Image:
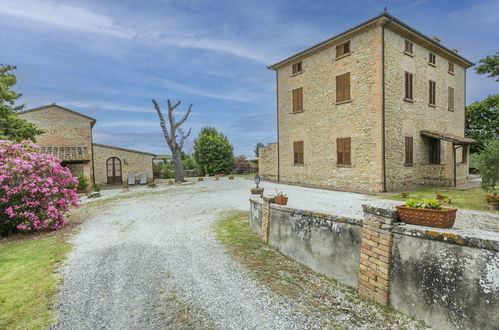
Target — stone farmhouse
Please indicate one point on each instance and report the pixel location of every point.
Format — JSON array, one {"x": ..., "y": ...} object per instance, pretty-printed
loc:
[
  {"x": 378, "y": 107},
  {"x": 68, "y": 136}
]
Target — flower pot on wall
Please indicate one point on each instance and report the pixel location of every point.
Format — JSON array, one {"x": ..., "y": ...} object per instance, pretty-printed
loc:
[
  {"x": 257, "y": 191},
  {"x": 281, "y": 200},
  {"x": 493, "y": 205},
  {"x": 427, "y": 217}
]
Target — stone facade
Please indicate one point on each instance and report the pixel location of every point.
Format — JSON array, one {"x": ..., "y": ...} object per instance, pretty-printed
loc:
[
  {"x": 376, "y": 119},
  {"x": 132, "y": 162}
]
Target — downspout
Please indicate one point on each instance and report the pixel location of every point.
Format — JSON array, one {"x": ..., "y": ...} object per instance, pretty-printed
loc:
[
  {"x": 92, "y": 148},
  {"x": 454, "y": 163},
  {"x": 277, "y": 103},
  {"x": 383, "y": 133}
]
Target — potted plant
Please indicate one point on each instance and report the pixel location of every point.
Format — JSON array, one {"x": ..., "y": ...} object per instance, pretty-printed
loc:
[
  {"x": 257, "y": 191},
  {"x": 200, "y": 178},
  {"x": 281, "y": 198},
  {"x": 126, "y": 187},
  {"x": 403, "y": 195},
  {"x": 231, "y": 177},
  {"x": 442, "y": 198},
  {"x": 427, "y": 212},
  {"x": 492, "y": 202},
  {"x": 82, "y": 184},
  {"x": 487, "y": 164}
]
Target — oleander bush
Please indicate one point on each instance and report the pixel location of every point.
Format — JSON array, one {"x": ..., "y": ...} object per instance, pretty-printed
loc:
[{"x": 36, "y": 191}]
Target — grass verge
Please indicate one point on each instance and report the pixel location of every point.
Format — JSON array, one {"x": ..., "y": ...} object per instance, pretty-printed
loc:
[
  {"x": 329, "y": 303},
  {"x": 473, "y": 198}
]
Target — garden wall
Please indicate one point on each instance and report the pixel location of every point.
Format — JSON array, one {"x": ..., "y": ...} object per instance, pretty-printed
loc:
[{"x": 447, "y": 277}]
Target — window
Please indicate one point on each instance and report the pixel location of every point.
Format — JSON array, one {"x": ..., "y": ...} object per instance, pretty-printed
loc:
[
  {"x": 431, "y": 89},
  {"x": 298, "y": 153},
  {"x": 297, "y": 67},
  {"x": 343, "y": 49},
  {"x": 433, "y": 59},
  {"x": 464, "y": 158},
  {"x": 344, "y": 154},
  {"x": 408, "y": 47},
  {"x": 343, "y": 87},
  {"x": 451, "y": 98},
  {"x": 298, "y": 99},
  {"x": 409, "y": 150},
  {"x": 433, "y": 151},
  {"x": 451, "y": 67},
  {"x": 408, "y": 86}
]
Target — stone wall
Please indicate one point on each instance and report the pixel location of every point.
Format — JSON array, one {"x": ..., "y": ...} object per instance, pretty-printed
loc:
[
  {"x": 323, "y": 121},
  {"x": 267, "y": 162},
  {"x": 134, "y": 162},
  {"x": 447, "y": 277},
  {"x": 405, "y": 118}
]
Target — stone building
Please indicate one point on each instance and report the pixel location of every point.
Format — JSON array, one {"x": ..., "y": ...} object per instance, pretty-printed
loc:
[
  {"x": 68, "y": 136},
  {"x": 378, "y": 107}
]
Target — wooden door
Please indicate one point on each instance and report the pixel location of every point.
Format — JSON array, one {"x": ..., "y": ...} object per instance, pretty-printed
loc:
[{"x": 113, "y": 168}]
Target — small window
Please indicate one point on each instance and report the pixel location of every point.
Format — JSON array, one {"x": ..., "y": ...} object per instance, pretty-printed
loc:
[
  {"x": 298, "y": 99},
  {"x": 432, "y": 93},
  {"x": 451, "y": 98},
  {"x": 409, "y": 150},
  {"x": 433, "y": 59},
  {"x": 297, "y": 67},
  {"x": 408, "y": 47},
  {"x": 433, "y": 151},
  {"x": 408, "y": 86},
  {"x": 451, "y": 67},
  {"x": 343, "y": 88},
  {"x": 343, "y": 49},
  {"x": 344, "y": 151},
  {"x": 298, "y": 153}
]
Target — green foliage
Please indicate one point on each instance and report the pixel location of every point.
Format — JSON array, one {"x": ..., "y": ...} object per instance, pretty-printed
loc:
[
  {"x": 423, "y": 204},
  {"x": 490, "y": 66},
  {"x": 167, "y": 172},
  {"x": 258, "y": 145},
  {"x": 482, "y": 121},
  {"x": 82, "y": 182},
  {"x": 487, "y": 164},
  {"x": 190, "y": 164},
  {"x": 96, "y": 187},
  {"x": 213, "y": 152},
  {"x": 11, "y": 126}
]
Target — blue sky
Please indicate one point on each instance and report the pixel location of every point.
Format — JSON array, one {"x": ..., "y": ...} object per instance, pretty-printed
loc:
[{"x": 108, "y": 59}]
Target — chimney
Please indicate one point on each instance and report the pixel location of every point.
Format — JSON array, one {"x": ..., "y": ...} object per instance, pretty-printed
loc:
[
  {"x": 436, "y": 39},
  {"x": 454, "y": 50}
]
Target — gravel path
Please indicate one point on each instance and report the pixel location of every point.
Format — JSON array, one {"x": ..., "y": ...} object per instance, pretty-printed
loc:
[{"x": 138, "y": 261}]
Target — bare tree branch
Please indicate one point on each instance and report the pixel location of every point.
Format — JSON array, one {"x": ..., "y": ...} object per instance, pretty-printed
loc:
[
  {"x": 185, "y": 116},
  {"x": 162, "y": 123}
]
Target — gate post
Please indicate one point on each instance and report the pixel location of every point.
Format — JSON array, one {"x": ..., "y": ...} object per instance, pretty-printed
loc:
[{"x": 266, "y": 218}]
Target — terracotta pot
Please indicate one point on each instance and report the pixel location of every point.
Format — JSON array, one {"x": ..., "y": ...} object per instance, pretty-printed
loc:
[
  {"x": 427, "y": 217},
  {"x": 231, "y": 178},
  {"x": 257, "y": 191},
  {"x": 493, "y": 205},
  {"x": 281, "y": 200},
  {"x": 200, "y": 179}
]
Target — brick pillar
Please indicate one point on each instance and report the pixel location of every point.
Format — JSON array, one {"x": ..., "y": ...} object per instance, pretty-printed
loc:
[
  {"x": 375, "y": 252},
  {"x": 266, "y": 218}
]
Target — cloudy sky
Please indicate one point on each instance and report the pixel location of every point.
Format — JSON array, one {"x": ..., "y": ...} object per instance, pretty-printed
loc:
[{"x": 108, "y": 59}]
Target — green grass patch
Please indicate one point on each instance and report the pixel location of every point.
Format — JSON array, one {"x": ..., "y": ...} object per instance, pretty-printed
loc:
[
  {"x": 330, "y": 303},
  {"x": 473, "y": 198},
  {"x": 27, "y": 281}
]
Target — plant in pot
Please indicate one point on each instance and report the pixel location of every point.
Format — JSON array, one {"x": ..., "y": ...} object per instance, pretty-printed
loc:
[
  {"x": 441, "y": 198},
  {"x": 231, "y": 177},
  {"x": 200, "y": 178},
  {"x": 126, "y": 187},
  {"x": 257, "y": 190},
  {"x": 281, "y": 198},
  {"x": 82, "y": 184},
  {"x": 492, "y": 202},
  {"x": 487, "y": 164},
  {"x": 426, "y": 212}
]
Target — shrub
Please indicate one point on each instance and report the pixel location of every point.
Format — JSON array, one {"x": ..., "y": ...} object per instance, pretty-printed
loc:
[
  {"x": 96, "y": 187},
  {"x": 487, "y": 164},
  {"x": 82, "y": 182},
  {"x": 424, "y": 204},
  {"x": 35, "y": 190}
]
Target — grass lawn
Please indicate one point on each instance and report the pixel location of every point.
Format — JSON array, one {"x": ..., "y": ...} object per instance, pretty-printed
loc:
[
  {"x": 27, "y": 281},
  {"x": 473, "y": 198},
  {"x": 330, "y": 303}
]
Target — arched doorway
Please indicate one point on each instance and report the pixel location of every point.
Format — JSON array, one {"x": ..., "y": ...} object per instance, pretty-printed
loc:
[{"x": 113, "y": 166}]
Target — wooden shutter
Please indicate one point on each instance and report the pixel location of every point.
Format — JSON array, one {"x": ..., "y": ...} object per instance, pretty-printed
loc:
[
  {"x": 298, "y": 99},
  {"x": 451, "y": 67},
  {"x": 431, "y": 88},
  {"x": 408, "y": 86},
  {"x": 434, "y": 151},
  {"x": 340, "y": 148},
  {"x": 409, "y": 151},
  {"x": 433, "y": 59},
  {"x": 347, "y": 152},
  {"x": 297, "y": 67},
  {"x": 342, "y": 49},
  {"x": 344, "y": 151},
  {"x": 451, "y": 98},
  {"x": 298, "y": 152},
  {"x": 343, "y": 87},
  {"x": 339, "y": 51},
  {"x": 408, "y": 47}
]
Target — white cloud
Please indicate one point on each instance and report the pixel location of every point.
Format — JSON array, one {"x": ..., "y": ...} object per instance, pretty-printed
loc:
[{"x": 103, "y": 106}]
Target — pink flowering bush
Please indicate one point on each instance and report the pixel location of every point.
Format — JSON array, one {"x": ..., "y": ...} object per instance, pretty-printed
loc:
[{"x": 35, "y": 189}]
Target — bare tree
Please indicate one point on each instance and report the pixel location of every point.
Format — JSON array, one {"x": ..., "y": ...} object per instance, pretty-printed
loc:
[{"x": 175, "y": 136}]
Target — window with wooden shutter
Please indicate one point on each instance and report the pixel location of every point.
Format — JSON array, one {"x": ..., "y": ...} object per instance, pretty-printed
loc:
[
  {"x": 433, "y": 59},
  {"x": 343, "y": 88},
  {"x": 408, "y": 47},
  {"x": 451, "y": 98},
  {"x": 431, "y": 88},
  {"x": 297, "y": 67},
  {"x": 343, "y": 49},
  {"x": 298, "y": 99},
  {"x": 451, "y": 67},
  {"x": 434, "y": 151},
  {"x": 298, "y": 153},
  {"x": 409, "y": 151},
  {"x": 344, "y": 151},
  {"x": 408, "y": 86}
]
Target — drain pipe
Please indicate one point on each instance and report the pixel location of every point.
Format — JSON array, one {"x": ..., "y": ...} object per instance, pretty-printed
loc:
[{"x": 383, "y": 137}]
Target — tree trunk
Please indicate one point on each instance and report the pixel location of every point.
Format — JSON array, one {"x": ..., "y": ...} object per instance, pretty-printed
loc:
[{"x": 177, "y": 164}]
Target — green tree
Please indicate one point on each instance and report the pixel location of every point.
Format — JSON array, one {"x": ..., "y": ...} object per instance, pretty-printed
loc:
[
  {"x": 487, "y": 164},
  {"x": 490, "y": 66},
  {"x": 213, "y": 152},
  {"x": 11, "y": 126},
  {"x": 258, "y": 145},
  {"x": 482, "y": 121}
]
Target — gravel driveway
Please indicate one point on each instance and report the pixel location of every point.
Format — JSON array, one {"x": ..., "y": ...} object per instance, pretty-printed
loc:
[{"x": 139, "y": 262}]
